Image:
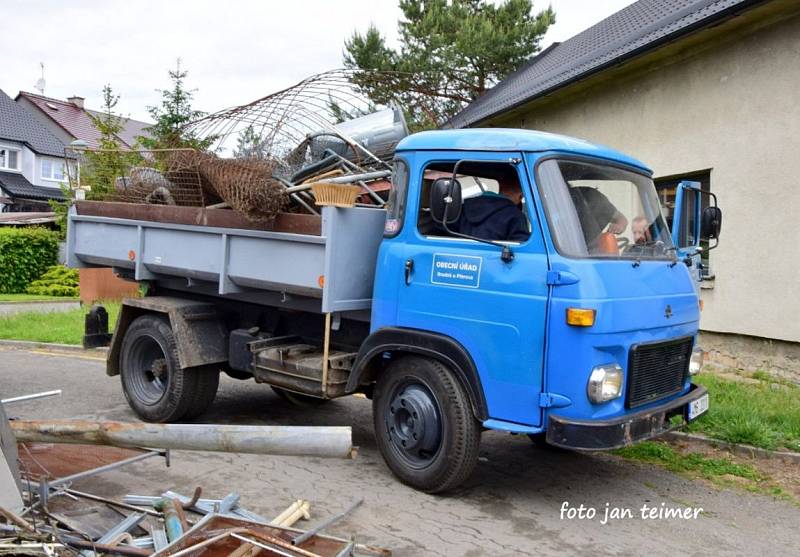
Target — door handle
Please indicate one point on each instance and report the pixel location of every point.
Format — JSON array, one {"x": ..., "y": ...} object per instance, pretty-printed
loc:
[{"x": 409, "y": 268}]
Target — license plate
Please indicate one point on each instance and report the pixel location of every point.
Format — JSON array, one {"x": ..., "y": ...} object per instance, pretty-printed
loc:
[{"x": 698, "y": 407}]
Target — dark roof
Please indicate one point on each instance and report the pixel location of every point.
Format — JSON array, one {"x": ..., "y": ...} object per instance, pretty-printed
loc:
[
  {"x": 18, "y": 186},
  {"x": 642, "y": 26},
  {"x": 76, "y": 120},
  {"x": 17, "y": 124}
]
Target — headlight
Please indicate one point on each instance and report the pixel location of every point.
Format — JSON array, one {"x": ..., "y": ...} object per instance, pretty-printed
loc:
[
  {"x": 696, "y": 361},
  {"x": 605, "y": 383}
]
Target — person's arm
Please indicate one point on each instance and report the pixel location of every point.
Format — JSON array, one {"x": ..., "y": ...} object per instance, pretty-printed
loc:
[
  {"x": 607, "y": 214},
  {"x": 618, "y": 222}
]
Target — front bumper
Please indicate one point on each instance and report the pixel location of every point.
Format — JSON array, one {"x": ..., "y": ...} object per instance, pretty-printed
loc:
[{"x": 601, "y": 435}]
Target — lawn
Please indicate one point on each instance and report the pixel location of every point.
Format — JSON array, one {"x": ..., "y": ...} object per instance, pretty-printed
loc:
[
  {"x": 761, "y": 411},
  {"x": 33, "y": 298},
  {"x": 63, "y": 327}
]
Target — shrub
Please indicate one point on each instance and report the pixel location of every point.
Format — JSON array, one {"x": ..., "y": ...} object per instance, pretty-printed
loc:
[
  {"x": 25, "y": 254},
  {"x": 57, "y": 281}
]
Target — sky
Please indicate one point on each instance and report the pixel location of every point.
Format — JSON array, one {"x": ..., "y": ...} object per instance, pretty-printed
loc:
[{"x": 235, "y": 51}]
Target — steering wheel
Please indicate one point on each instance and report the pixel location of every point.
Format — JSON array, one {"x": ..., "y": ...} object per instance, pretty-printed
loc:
[{"x": 622, "y": 242}]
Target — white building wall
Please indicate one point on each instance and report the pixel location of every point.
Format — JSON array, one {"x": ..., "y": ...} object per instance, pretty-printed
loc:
[{"x": 732, "y": 109}]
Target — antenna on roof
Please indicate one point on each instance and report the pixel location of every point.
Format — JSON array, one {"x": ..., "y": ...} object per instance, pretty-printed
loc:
[{"x": 41, "y": 82}]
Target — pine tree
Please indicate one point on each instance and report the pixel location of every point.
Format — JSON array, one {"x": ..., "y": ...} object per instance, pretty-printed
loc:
[
  {"x": 102, "y": 167},
  {"x": 172, "y": 115},
  {"x": 451, "y": 52}
]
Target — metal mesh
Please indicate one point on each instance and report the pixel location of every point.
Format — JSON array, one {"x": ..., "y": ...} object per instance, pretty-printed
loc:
[{"x": 266, "y": 155}]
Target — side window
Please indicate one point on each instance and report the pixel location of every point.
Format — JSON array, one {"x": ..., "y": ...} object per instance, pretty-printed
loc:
[
  {"x": 493, "y": 202},
  {"x": 395, "y": 207},
  {"x": 666, "y": 188}
]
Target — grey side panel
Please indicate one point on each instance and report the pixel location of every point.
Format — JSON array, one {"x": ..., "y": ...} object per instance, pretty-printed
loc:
[
  {"x": 238, "y": 260},
  {"x": 354, "y": 238},
  {"x": 199, "y": 332}
]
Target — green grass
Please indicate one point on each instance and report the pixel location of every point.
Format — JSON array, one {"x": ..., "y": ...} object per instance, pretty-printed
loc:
[
  {"x": 33, "y": 298},
  {"x": 63, "y": 327},
  {"x": 694, "y": 464},
  {"x": 720, "y": 471},
  {"x": 765, "y": 414}
]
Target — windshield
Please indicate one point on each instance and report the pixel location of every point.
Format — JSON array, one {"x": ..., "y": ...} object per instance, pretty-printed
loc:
[{"x": 597, "y": 210}]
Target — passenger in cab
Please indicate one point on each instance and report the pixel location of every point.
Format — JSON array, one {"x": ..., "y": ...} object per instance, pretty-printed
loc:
[{"x": 495, "y": 216}]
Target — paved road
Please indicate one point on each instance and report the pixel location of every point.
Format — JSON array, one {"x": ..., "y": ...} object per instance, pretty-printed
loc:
[
  {"x": 10, "y": 308},
  {"x": 510, "y": 506}
]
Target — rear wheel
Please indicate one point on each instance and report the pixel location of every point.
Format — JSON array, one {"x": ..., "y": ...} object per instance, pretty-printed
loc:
[
  {"x": 424, "y": 424},
  {"x": 154, "y": 384}
]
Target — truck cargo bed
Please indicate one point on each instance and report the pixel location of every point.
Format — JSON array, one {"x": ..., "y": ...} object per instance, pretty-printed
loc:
[{"x": 335, "y": 265}]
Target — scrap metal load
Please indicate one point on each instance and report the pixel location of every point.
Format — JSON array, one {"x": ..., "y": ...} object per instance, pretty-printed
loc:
[{"x": 317, "y": 143}]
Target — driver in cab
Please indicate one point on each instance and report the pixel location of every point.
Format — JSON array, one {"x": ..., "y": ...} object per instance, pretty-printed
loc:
[{"x": 596, "y": 214}]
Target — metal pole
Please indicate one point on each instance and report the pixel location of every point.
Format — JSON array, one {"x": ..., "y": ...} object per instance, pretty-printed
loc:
[
  {"x": 326, "y": 346},
  {"x": 277, "y": 440},
  {"x": 303, "y": 537},
  {"x": 34, "y": 396}
]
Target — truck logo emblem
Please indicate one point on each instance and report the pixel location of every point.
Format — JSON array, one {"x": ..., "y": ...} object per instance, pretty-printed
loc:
[{"x": 668, "y": 311}]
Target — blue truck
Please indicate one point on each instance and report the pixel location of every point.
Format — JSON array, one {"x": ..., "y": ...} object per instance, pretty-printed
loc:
[{"x": 581, "y": 334}]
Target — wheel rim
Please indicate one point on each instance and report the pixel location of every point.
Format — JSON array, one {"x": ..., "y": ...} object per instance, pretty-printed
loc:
[
  {"x": 413, "y": 424},
  {"x": 148, "y": 371}
]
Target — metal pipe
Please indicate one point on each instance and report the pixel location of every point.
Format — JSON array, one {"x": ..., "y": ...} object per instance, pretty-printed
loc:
[
  {"x": 35, "y": 396},
  {"x": 349, "y": 179},
  {"x": 276, "y": 440}
]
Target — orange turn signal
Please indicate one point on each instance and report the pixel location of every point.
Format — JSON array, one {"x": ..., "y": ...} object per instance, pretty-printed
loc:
[
  {"x": 580, "y": 317},
  {"x": 321, "y": 281}
]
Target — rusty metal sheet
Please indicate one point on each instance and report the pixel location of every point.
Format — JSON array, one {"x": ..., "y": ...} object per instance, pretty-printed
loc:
[
  {"x": 219, "y": 218},
  {"x": 60, "y": 460}
]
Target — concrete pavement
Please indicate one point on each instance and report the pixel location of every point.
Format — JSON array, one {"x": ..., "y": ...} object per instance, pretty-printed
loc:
[{"x": 512, "y": 505}]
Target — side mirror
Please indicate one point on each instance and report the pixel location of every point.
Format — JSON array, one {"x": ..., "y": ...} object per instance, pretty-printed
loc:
[
  {"x": 711, "y": 223},
  {"x": 445, "y": 200}
]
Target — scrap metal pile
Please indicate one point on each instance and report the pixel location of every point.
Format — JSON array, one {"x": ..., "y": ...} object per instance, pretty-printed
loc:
[
  {"x": 319, "y": 142},
  {"x": 41, "y": 512}
]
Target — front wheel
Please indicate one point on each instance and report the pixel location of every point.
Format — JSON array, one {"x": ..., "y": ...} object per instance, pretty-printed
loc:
[
  {"x": 424, "y": 424},
  {"x": 154, "y": 384}
]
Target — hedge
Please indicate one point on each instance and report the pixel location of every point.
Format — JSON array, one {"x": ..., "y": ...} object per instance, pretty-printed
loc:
[
  {"x": 57, "y": 281},
  {"x": 25, "y": 254}
]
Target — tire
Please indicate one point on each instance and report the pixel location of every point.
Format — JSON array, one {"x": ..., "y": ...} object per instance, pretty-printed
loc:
[
  {"x": 155, "y": 386},
  {"x": 299, "y": 400},
  {"x": 424, "y": 424}
]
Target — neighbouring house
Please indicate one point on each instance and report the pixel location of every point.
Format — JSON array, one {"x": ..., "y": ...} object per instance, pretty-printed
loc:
[
  {"x": 705, "y": 90},
  {"x": 70, "y": 120},
  {"x": 32, "y": 161}
]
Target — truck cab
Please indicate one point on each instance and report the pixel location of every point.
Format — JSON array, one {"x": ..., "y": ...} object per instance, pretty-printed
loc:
[{"x": 583, "y": 335}]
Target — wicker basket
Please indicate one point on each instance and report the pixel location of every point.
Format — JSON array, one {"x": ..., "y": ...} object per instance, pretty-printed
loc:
[{"x": 335, "y": 195}]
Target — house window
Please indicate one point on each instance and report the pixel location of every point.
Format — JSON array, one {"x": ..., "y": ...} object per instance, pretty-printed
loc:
[
  {"x": 9, "y": 159},
  {"x": 666, "y": 188},
  {"x": 52, "y": 170}
]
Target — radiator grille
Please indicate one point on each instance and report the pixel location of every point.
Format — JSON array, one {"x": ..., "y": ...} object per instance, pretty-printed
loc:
[{"x": 657, "y": 370}]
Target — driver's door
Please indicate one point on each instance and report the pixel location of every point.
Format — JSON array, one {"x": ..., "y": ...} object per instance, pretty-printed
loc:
[{"x": 462, "y": 289}]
